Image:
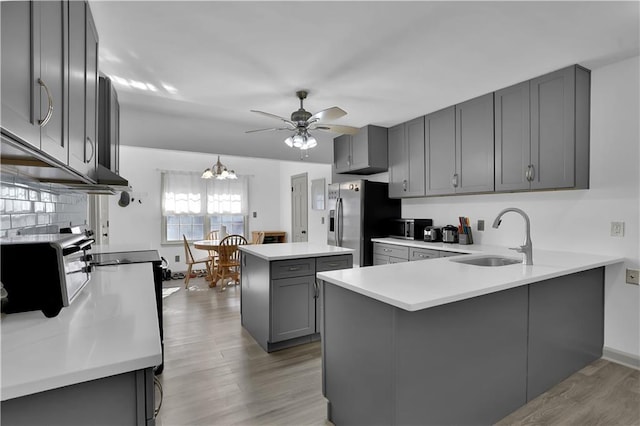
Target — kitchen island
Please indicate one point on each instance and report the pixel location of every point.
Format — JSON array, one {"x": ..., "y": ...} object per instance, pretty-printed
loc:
[
  {"x": 93, "y": 363},
  {"x": 442, "y": 342},
  {"x": 280, "y": 299}
]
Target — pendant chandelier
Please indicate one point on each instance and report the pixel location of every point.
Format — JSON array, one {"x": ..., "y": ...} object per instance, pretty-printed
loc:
[{"x": 219, "y": 171}]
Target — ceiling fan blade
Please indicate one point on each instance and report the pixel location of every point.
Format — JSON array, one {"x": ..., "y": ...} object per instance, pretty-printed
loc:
[
  {"x": 266, "y": 130},
  {"x": 336, "y": 128},
  {"x": 332, "y": 113},
  {"x": 275, "y": 116}
]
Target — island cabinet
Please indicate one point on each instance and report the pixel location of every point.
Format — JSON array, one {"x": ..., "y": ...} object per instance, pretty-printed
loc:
[
  {"x": 542, "y": 132},
  {"x": 471, "y": 361},
  {"x": 363, "y": 153},
  {"x": 406, "y": 159},
  {"x": 280, "y": 304}
]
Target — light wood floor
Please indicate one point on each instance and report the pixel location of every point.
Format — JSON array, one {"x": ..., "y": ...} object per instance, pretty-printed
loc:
[{"x": 216, "y": 374}]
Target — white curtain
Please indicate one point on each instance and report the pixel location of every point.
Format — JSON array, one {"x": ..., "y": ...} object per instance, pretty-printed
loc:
[
  {"x": 182, "y": 193},
  {"x": 228, "y": 196}
]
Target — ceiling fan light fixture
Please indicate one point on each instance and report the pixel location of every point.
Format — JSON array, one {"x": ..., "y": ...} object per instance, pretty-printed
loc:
[
  {"x": 289, "y": 141},
  {"x": 298, "y": 140}
]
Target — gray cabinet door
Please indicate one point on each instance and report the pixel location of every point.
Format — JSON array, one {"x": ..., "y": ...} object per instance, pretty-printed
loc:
[
  {"x": 512, "y": 137},
  {"x": 52, "y": 39},
  {"x": 293, "y": 306},
  {"x": 552, "y": 130},
  {"x": 398, "y": 161},
  {"x": 76, "y": 88},
  {"x": 91, "y": 100},
  {"x": 18, "y": 80},
  {"x": 440, "y": 151},
  {"x": 342, "y": 153},
  {"x": 474, "y": 145},
  {"x": 415, "y": 157}
]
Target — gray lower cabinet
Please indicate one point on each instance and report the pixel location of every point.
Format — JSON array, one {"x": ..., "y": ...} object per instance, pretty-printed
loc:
[
  {"x": 362, "y": 153},
  {"x": 468, "y": 362},
  {"x": 384, "y": 254},
  {"x": 406, "y": 159},
  {"x": 123, "y": 399},
  {"x": 280, "y": 304},
  {"x": 542, "y": 132}
]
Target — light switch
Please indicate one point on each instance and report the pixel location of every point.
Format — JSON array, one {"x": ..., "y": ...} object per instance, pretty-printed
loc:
[
  {"x": 480, "y": 225},
  {"x": 255, "y": 214},
  {"x": 632, "y": 276},
  {"x": 617, "y": 229}
]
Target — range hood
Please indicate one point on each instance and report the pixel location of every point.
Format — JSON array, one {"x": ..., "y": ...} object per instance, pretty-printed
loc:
[{"x": 21, "y": 160}]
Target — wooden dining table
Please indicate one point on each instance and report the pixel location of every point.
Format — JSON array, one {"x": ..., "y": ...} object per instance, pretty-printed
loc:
[{"x": 209, "y": 245}]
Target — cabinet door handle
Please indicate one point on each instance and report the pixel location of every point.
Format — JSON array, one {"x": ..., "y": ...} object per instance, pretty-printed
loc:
[
  {"x": 294, "y": 268},
  {"x": 532, "y": 173},
  {"x": 93, "y": 150},
  {"x": 527, "y": 173},
  {"x": 333, "y": 264},
  {"x": 404, "y": 185},
  {"x": 454, "y": 180},
  {"x": 386, "y": 250},
  {"x": 47, "y": 117}
]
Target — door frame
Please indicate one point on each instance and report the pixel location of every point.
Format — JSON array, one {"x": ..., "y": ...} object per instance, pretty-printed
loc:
[{"x": 306, "y": 203}]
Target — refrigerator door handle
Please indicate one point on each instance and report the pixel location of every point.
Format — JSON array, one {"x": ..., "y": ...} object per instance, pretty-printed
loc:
[{"x": 339, "y": 222}]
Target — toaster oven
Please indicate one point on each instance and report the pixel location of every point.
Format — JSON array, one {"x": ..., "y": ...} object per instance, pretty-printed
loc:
[{"x": 44, "y": 272}]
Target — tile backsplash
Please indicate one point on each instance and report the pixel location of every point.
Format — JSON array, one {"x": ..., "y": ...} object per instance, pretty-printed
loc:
[{"x": 30, "y": 207}]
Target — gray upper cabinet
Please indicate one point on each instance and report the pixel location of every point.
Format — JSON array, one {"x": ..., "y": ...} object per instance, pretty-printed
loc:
[
  {"x": 362, "y": 153},
  {"x": 406, "y": 159},
  {"x": 440, "y": 151},
  {"x": 108, "y": 126},
  {"x": 33, "y": 72},
  {"x": 18, "y": 116},
  {"x": 474, "y": 146},
  {"x": 560, "y": 129},
  {"x": 49, "y": 43},
  {"x": 542, "y": 132},
  {"x": 513, "y": 137},
  {"x": 83, "y": 89}
]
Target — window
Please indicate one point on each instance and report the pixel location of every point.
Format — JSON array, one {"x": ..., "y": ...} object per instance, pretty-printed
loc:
[{"x": 192, "y": 206}]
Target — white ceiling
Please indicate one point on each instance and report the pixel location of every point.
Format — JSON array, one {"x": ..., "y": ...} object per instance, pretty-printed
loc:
[{"x": 382, "y": 62}]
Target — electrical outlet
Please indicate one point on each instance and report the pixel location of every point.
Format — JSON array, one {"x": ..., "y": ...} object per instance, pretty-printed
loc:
[
  {"x": 632, "y": 276},
  {"x": 177, "y": 259},
  {"x": 617, "y": 229},
  {"x": 322, "y": 220},
  {"x": 480, "y": 225}
]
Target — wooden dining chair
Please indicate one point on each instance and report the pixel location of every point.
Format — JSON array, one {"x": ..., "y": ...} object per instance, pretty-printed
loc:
[
  {"x": 258, "y": 237},
  {"x": 190, "y": 261},
  {"x": 228, "y": 260},
  {"x": 213, "y": 235}
]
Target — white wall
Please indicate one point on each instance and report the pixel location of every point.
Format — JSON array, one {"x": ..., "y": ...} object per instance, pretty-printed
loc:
[
  {"x": 579, "y": 220},
  {"x": 269, "y": 195},
  {"x": 317, "y": 231}
]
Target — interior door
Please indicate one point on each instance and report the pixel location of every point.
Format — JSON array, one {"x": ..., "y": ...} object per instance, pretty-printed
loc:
[{"x": 299, "y": 208}]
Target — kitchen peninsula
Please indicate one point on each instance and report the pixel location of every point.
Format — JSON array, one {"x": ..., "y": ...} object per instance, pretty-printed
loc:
[
  {"x": 93, "y": 363},
  {"x": 280, "y": 299},
  {"x": 442, "y": 342}
]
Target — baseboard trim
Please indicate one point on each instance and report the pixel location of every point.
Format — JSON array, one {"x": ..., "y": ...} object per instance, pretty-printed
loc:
[{"x": 620, "y": 357}]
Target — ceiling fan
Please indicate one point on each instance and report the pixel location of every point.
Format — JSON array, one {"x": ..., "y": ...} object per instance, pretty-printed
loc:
[{"x": 302, "y": 121}]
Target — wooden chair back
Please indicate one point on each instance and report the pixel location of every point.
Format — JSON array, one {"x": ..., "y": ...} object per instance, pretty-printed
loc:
[
  {"x": 188, "y": 256},
  {"x": 258, "y": 237},
  {"x": 228, "y": 249},
  {"x": 213, "y": 235}
]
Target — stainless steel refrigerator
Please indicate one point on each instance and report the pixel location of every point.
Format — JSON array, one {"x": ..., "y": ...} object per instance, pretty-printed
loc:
[{"x": 359, "y": 211}]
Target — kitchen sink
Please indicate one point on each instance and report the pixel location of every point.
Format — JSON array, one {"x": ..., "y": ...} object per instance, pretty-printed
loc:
[{"x": 488, "y": 261}]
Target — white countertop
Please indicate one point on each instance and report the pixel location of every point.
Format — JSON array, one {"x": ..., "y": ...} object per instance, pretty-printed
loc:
[
  {"x": 283, "y": 251},
  {"x": 111, "y": 328},
  {"x": 417, "y": 285}
]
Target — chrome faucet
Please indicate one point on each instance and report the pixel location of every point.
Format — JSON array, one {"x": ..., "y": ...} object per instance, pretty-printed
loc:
[{"x": 527, "y": 247}]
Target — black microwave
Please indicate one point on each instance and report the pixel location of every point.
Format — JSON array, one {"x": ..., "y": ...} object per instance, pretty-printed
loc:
[{"x": 409, "y": 229}]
